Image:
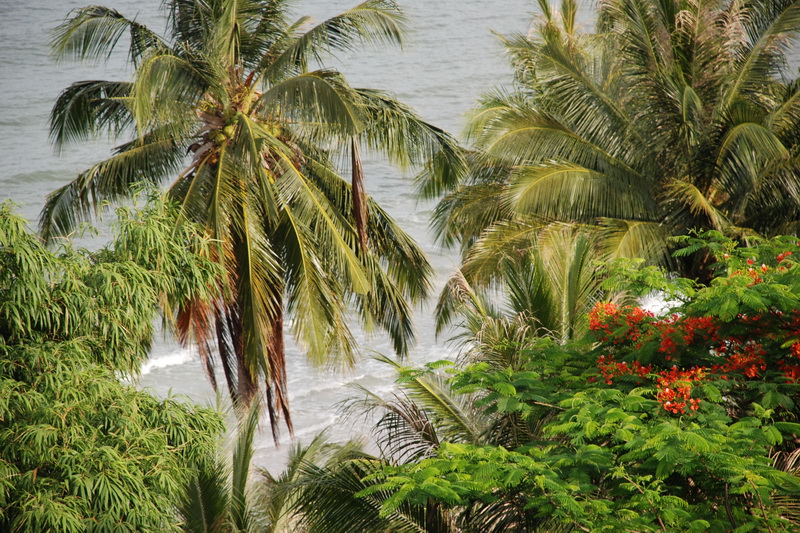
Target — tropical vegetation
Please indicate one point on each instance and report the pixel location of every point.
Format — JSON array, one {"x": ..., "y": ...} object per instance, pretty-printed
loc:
[
  {"x": 665, "y": 140},
  {"x": 685, "y": 421},
  {"x": 79, "y": 449},
  {"x": 232, "y": 105}
]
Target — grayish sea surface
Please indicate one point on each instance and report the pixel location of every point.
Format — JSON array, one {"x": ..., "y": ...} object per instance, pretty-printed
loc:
[{"x": 452, "y": 56}]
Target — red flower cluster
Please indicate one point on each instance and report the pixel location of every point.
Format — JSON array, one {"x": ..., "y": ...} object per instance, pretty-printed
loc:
[
  {"x": 675, "y": 389},
  {"x": 666, "y": 331},
  {"x": 747, "y": 360},
  {"x": 790, "y": 372},
  {"x": 621, "y": 324},
  {"x": 603, "y": 318},
  {"x": 754, "y": 275},
  {"x": 795, "y": 349},
  {"x": 692, "y": 329},
  {"x": 700, "y": 329},
  {"x": 783, "y": 256},
  {"x": 626, "y": 329},
  {"x": 609, "y": 368}
]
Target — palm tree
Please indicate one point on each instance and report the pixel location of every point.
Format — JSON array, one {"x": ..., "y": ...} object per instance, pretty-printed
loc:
[
  {"x": 226, "y": 106},
  {"x": 317, "y": 493},
  {"x": 671, "y": 116},
  {"x": 218, "y": 497},
  {"x": 549, "y": 276}
]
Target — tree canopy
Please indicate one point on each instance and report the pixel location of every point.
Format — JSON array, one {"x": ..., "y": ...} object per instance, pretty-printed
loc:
[
  {"x": 230, "y": 83},
  {"x": 79, "y": 450},
  {"x": 683, "y": 421},
  {"x": 669, "y": 116}
]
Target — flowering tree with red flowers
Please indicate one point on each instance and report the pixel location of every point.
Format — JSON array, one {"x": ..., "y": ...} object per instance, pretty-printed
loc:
[
  {"x": 740, "y": 334},
  {"x": 679, "y": 420}
]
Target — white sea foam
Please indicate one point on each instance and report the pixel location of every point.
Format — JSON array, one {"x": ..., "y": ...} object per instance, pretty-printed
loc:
[{"x": 173, "y": 358}]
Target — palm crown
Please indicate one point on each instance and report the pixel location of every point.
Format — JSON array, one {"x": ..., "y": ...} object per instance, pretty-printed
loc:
[
  {"x": 225, "y": 105},
  {"x": 672, "y": 115}
]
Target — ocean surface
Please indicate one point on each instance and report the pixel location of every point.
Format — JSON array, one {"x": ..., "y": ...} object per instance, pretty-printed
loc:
[{"x": 452, "y": 56}]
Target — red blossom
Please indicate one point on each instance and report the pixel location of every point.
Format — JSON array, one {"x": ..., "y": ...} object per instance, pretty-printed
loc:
[
  {"x": 790, "y": 372},
  {"x": 753, "y": 274},
  {"x": 624, "y": 330},
  {"x": 746, "y": 359},
  {"x": 608, "y": 320},
  {"x": 609, "y": 368},
  {"x": 795, "y": 349},
  {"x": 675, "y": 389}
]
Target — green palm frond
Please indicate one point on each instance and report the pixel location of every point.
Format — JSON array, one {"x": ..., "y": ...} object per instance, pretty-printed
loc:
[
  {"x": 452, "y": 414},
  {"x": 531, "y": 299},
  {"x": 206, "y": 504},
  {"x": 166, "y": 90},
  {"x": 743, "y": 152},
  {"x": 571, "y": 192},
  {"x": 502, "y": 241},
  {"x": 146, "y": 160},
  {"x": 403, "y": 432},
  {"x": 513, "y": 131},
  {"x": 635, "y": 238},
  {"x": 468, "y": 211},
  {"x": 565, "y": 75},
  {"x": 378, "y": 22},
  {"x": 549, "y": 274},
  {"x": 335, "y": 235},
  {"x": 697, "y": 203},
  {"x": 93, "y": 32},
  {"x": 459, "y": 299},
  {"x": 770, "y": 27},
  {"x": 328, "y": 504},
  {"x": 219, "y": 497},
  {"x": 318, "y": 97},
  {"x": 568, "y": 259},
  {"x": 784, "y": 120},
  {"x": 240, "y": 469},
  {"x": 312, "y": 301},
  {"x": 394, "y": 129},
  {"x": 407, "y": 265},
  {"x": 86, "y": 108},
  {"x": 387, "y": 306}
]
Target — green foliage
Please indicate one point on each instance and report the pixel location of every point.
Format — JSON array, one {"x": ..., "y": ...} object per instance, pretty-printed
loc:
[
  {"x": 548, "y": 274},
  {"x": 108, "y": 298},
  {"x": 664, "y": 423},
  {"x": 548, "y": 373},
  {"x": 80, "y": 451},
  {"x": 218, "y": 497}
]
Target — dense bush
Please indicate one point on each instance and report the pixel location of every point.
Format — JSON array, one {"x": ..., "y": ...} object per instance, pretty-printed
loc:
[
  {"x": 685, "y": 421},
  {"x": 80, "y": 450}
]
